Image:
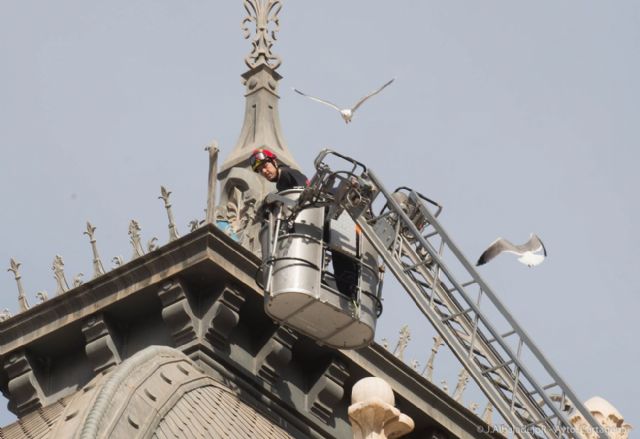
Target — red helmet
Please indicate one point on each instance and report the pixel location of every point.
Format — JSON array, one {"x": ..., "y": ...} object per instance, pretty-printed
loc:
[{"x": 259, "y": 157}]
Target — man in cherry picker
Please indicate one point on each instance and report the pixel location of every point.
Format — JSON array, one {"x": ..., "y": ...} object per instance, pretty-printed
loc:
[{"x": 264, "y": 162}]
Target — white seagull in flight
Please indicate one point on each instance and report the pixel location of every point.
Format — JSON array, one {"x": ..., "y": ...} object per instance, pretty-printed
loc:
[
  {"x": 529, "y": 252},
  {"x": 346, "y": 113}
]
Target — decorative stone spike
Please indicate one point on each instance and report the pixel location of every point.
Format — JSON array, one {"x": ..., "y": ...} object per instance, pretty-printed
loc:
[
  {"x": 5, "y": 315},
  {"x": 474, "y": 407},
  {"x": 164, "y": 196},
  {"x": 415, "y": 364},
  {"x": 428, "y": 370},
  {"x": 77, "y": 280},
  {"x": 98, "y": 269},
  {"x": 151, "y": 245},
  {"x": 487, "y": 414},
  {"x": 445, "y": 386},
  {"x": 213, "y": 179},
  {"x": 14, "y": 267},
  {"x": 385, "y": 343},
  {"x": 463, "y": 379},
  {"x": 58, "y": 273},
  {"x": 42, "y": 296},
  {"x": 134, "y": 239},
  {"x": 403, "y": 342}
]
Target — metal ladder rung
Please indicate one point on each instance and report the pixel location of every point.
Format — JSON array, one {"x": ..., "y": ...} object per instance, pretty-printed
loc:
[
  {"x": 466, "y": 339},
  {"x": 457, "y": 314},
  {"x": 502, "y": 336},
  {"x": 466, "y": 284},
  {"x": 430, "y": 235},
  {"x": 499, "y": 366},
  {"x": 547, "y": 387},
  {"x": 414, "y": 266},
  {"x": 540, "y": 421},
  {"x": 502, "y": 385}
]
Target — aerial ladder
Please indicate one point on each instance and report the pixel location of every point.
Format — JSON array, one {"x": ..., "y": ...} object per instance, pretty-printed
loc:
[{"x": 402, "y": 228}]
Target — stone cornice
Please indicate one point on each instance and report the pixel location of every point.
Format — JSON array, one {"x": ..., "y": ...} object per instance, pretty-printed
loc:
[{"x": 205, "y": 246}]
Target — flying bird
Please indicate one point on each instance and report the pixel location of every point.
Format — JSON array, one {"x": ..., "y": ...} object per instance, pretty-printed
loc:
[
  {"x": 529, "y": 252},
  {"x": 346, "y": 113}
]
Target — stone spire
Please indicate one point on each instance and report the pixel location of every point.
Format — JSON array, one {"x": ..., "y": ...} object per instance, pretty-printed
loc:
[{"x": 240, "y": 187}]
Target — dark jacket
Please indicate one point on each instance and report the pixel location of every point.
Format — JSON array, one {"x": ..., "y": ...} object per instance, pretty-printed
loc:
[{"x": 289, "y": 178}]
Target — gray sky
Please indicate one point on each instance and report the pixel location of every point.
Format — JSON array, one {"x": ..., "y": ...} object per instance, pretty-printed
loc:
[{"x": 517, "y": 116}]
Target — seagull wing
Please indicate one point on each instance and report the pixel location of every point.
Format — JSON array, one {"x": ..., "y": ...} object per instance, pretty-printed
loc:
[
  {"x": 322, "y": 101},
  {"x": 498, "y": 246},
  {"x": 373, "y": 93},
  {"x": 533, "y": 245}
]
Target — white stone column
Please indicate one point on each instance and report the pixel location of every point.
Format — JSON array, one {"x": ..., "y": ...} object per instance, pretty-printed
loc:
[
  {"x": 606, "y": 414},
  {"x": 372, "y": 412}
]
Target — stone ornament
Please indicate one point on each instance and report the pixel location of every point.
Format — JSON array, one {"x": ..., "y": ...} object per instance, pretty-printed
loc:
[
  {"x": 428, "y": 370},
  {"x": 14, "y": 267},
  {"x": 98, "y": 268},
  {"x": 58, "y": 273},
  {"x": 403, "y": 342},
  {"x": 262, "y": 14},
  {"x": 463, "y": 379},
  {"x": 173, "y": 230},
  {"x": 608, "y": 417},
  {"x": 5, "y": 315},
  {"x": 372, "y": 413},
  {"x": 212, "y": 182},
  {"x": 134, "y": 239}
]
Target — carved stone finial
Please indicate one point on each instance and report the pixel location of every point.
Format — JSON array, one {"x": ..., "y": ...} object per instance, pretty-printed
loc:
[
  {"x": 428, "y": 370},
  {"x": 134, "y": 239},
  {"x": 14, "y": 267},
  {"x": 5, "y": 315},
  {"x": 403, "y": 342},
  {"x": 487, "y": 414},
  {"x": 77, "y": 280},
  {"x": 415, "y": 364},
  {"x": 152, "y": 244},
  {"x": 463, "y": 379},
  {"x": 263, "y": 14},
  {"x": 164, "y": 196},
  {"x": 213, "y": 179},
  {"x": 445, "y": 386},
  {"x": 193, "y": 225},
  {"x": 372, "y": 412},
  {"x": 117, "y": 261},
  {"x": 42, "y": 296},
  {"x": 98, "y": 269},
  {"x": 58, "y": 273},
  {"x": 608, "y": 417},
  {"x": 474, "y": 407}
]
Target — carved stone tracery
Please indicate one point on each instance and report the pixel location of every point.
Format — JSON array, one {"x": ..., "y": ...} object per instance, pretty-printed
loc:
[{"x": 263, "y": 15}]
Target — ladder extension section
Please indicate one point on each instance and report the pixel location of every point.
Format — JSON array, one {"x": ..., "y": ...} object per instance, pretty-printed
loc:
[{"x": 447, "y": 289}]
